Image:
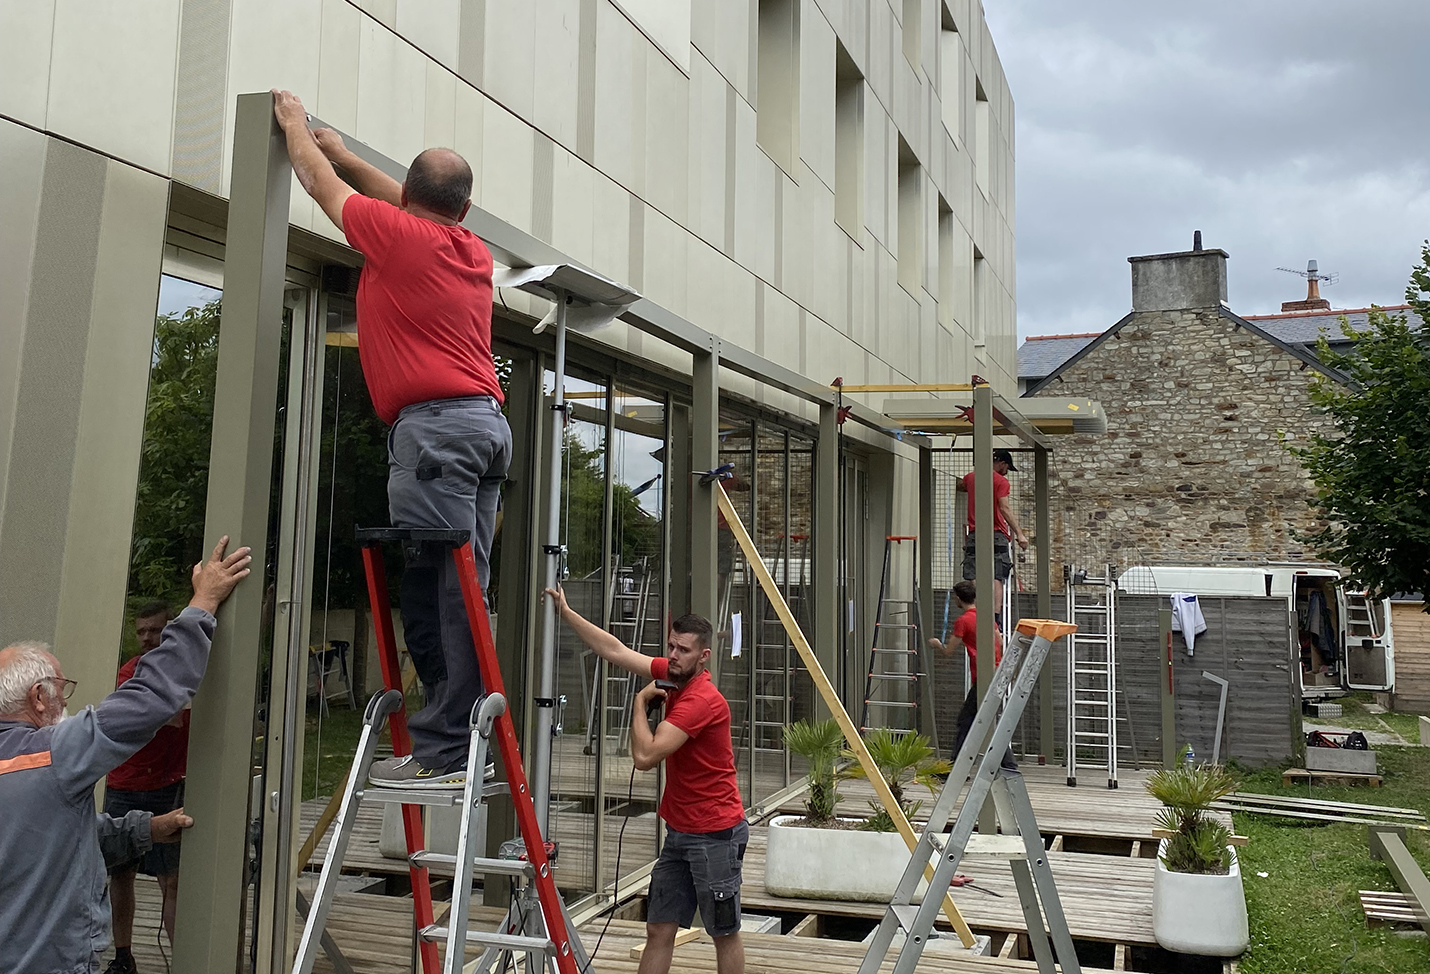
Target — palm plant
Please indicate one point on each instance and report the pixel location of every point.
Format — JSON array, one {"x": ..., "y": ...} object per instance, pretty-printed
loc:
[
  {"x": 903, "y": 760},
  {"x": 1198, "y": 843},
  {"x": 820, "y": 744}
]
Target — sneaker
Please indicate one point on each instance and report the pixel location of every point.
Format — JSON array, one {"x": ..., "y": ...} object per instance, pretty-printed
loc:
[
  {"x": 122, "y": 965},
  {"x": 407, "y": 772}
]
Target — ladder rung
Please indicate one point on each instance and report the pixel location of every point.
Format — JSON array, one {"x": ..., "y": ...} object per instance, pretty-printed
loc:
[
  {"x": 436, "y": 933},
  {"x": 888, "y": 649},
  {"x": 1001, "y": 846},
  {"x": 890, "y": 703},
  {"x": 902, "y": 677},
  {"x": 482, "y": 865},
  {"x": 895, "y": 625},
  {"x": 1081, "y": 734}
]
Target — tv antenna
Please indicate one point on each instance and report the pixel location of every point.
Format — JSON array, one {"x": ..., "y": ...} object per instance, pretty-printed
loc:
[{"x": 1313, "y": 274}]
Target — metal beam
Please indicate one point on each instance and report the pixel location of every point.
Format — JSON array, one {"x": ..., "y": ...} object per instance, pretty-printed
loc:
[
  {"x": 704, "y": 455},
  {"x": 209, "y": 928},
  {"x": 928, "y": 726},
  {"x": 826, "y": 548},
  {"x": 906, "y": 387},
  {"x": 1043, "y": 538},
  {"x": 1388, "y": 845},
  {"x": 983, "y": 519}
]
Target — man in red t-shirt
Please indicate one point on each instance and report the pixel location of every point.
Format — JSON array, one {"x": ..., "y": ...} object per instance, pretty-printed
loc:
[
  {"x": 424, "y": 310},
  {"x": 152, "y": 780},
  {"x": 964, "y": 635},
  {"x": 701, "y": 861},
  {"x": 1005, "y": 527}
]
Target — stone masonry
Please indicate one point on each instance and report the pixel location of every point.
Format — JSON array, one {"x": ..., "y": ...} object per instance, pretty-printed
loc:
[{"x": 1194, "y": 468}]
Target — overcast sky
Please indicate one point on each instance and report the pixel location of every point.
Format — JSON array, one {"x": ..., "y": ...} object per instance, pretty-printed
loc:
[{"x": 1282, "y": 130}]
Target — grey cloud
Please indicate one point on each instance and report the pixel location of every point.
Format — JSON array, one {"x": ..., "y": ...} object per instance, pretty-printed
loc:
[{"x": 1285, "y": 131}]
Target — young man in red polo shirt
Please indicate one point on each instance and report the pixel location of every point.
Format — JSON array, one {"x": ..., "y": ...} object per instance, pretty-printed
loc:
[
  {"x": 964, "y": 635},
  {"x": 152, "y": 780},
  {"x": 424, "y": 310},
  {"x": 702, "y": 859},
  {"x": 1005, "y": 528}
]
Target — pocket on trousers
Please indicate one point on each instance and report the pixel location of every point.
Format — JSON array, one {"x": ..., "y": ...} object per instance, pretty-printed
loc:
[{"x": 725, "y": 895}]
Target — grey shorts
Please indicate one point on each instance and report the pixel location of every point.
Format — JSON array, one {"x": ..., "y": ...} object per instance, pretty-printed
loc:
[
  {"x": 1002, "y": 557},
  {"x": 699, "y": 869}
]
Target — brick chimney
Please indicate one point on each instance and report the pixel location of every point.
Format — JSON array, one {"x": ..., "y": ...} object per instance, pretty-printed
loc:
[
  {"x": 1314, "y": 301},
  {"x": 1194, "y": 278}
]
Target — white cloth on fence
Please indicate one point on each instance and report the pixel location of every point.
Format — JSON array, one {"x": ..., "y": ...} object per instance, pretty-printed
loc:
[{"x": 1187, "y": 618}]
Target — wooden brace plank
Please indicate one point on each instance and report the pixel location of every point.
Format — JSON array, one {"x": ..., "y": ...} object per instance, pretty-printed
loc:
[
  {"x": 831, "y": 698},
  {"x": 682, "y": 937}
]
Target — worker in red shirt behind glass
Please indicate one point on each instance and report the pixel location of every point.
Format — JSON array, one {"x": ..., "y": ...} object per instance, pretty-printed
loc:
[
  {"x": 424, "y": 310},
  {"x": 702, "y": 859},
  {"x": 152, "y": 780}
]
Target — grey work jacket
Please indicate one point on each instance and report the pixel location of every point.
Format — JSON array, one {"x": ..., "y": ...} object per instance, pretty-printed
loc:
[{"x": 54, "y": 911}]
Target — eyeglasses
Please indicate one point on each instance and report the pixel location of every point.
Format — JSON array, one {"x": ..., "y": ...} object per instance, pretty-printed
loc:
[{"x": 66, "y": 686}]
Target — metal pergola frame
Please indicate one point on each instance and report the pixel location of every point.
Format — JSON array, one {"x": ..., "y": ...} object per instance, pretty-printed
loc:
[{"x": 209, "y": 930}]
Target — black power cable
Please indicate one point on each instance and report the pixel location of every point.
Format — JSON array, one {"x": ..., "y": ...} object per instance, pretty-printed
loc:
[{"x": 620, "y": 837}]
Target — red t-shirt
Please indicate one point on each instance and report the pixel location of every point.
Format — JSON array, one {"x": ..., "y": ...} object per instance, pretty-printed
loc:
[
  {"x": 159, "y": 763},
  {"x": 965, "y": 627},
  {"x": 702, "y": 792},
  {"x": 1000, "y": 490},
  {"x": 424, "y": 308}
]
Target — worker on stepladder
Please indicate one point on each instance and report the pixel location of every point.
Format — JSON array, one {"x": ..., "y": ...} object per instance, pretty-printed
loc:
[
  {"x": 964, "y": 635},
  {"x": 1005, "y": 529},
  {"x": 424, "y": 314},
  {"x": 701, "y": 862}
]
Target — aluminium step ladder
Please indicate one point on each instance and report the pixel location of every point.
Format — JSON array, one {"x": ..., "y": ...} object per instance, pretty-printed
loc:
[
  {"x": 1020, "y": 841},
  {"x": 630, "y": 604},
  {"x": 773, "y": 661},
  {"x": 893, "y": 687},
  {"x": 1092, "y": 690},
  {"x": 544, "y": 936}
]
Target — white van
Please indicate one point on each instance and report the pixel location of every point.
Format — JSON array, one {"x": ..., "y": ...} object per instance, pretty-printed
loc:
[{"x": 1342, "y": 638}]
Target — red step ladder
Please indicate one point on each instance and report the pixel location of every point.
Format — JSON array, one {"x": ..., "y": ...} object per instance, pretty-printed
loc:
[{"x": 552, "y": 910}]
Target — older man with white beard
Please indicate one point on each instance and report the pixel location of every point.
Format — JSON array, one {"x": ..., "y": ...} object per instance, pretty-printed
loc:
[{"x": 54, "y": 913}]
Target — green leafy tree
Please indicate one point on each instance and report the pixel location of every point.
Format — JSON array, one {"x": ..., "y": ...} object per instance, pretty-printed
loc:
[
  {"x": 173, "y": 472},
  {"x": 1372, "y": 472}
]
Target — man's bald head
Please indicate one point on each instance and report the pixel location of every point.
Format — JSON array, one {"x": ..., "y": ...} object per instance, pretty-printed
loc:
[{"x": 439, "y": 180}]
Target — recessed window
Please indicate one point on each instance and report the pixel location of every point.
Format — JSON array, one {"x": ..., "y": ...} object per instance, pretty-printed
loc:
[
  {"x": 913, "y": 14},
  {"x": 777, "y": 82},
  {"x": 982, "y": 142},
  {"x": 848, "y": 143},
  {"x": 950, "y": 76},
  {"x": 911, "y": 228}
]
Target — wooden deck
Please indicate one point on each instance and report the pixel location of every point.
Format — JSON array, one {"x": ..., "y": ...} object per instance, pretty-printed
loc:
[{"x": 374, "y": 934}]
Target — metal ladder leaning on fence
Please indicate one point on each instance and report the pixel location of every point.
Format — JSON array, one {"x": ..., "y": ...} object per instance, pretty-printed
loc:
[
  {"x": 1092, "y": 672},
  {"x": 537, "y": 927},
  {"x": 894, "y": 684},
  {"x": 1020, "y": 842}
]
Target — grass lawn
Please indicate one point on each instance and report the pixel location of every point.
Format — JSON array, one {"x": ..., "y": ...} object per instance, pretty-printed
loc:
[
  {"x": 328, "y": 755},
  {"x": 1305, "y": 913}
]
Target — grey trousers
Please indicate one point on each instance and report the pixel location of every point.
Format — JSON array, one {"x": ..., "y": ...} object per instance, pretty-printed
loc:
[{"x": 446, "y": 462}]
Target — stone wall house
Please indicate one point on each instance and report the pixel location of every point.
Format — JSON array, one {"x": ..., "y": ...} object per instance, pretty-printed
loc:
[{"x": 1201, "y": 406}]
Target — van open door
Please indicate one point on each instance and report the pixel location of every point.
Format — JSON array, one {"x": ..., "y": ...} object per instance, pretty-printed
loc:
[{"x": 1370, "y": 648}]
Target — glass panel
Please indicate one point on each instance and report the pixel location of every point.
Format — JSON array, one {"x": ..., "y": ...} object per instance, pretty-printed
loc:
[
  {"x": 168, "y": 539},
  {"x": 769, "y": 642},
  {"x": 801, "y": 582},
  {"x": 736, "y": 596},
  {"x": 638, "y": 618},
  {"x": 583, "y": 519}
]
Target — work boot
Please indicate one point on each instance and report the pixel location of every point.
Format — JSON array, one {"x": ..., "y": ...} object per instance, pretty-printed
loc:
[{"x": 123, "y": 963}]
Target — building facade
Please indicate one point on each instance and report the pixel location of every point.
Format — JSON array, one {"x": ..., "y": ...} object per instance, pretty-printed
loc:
[{"x": 812, "y": 189}]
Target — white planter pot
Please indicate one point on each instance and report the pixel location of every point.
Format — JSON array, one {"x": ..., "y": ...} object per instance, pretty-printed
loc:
[
  {"x": 1199, "y": 914},
  {"x": 834, "y": 864}
]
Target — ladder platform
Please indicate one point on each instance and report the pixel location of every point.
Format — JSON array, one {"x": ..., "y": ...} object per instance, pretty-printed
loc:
[
  {"x": 483, "y": 865},
  {"x": 436, "y": 933},
  {"x": 998, "y": 846},
  {"x": 450, "y": 537},
  {"x": 411, "y": 796}
]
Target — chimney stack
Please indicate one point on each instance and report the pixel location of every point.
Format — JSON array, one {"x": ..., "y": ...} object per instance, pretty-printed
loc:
[
  {"x": 1195, "y": 278},
  {"x": 1314, "y": 301}
]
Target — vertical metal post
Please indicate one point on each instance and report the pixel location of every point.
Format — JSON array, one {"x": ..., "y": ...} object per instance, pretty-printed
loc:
[
  {"x": 545, "y": 701},
  {"x": 928, "y": 723},
  {"x": 704, "y": 455},
  {"x": 824, "y": 548},
  {"x": 208, "y": 931},
  {"x": 983, "y": 519},
  {"x": 1043, "y": 538},
  {"x": 1169, "y": 703}
]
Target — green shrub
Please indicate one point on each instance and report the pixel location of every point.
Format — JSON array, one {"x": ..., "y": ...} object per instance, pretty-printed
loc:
[{"x": 1198, "y": 843}]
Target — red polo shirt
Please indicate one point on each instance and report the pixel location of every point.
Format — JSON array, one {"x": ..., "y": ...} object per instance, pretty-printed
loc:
[
  {"x": 965, "y": 627},
  {"x": 1001, "y": 489},
  {"x": 424, "y": 308},
  {"x": 161, "y": 762},
  {"x": 702, "y": 791}
]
